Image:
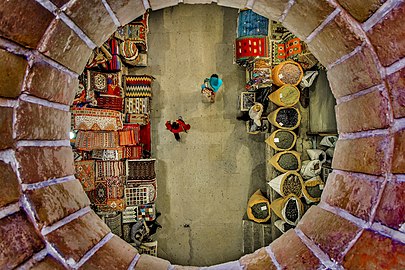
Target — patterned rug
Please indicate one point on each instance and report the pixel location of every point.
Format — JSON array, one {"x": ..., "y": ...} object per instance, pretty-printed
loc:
[
  {"x": 134, "y": 118},
  {"x": 85, "y": 172},
  {"x": 96, "y": 119},
  {"x": 106, "y": 154},
  {"x": 110, "y": 102},
  {"x": 133, "y": 152},
  {"x": 146, "y": 212},
  {"x": 91, "y": 140},
  {"x": 98, "y": 196},
  {"x": 106, "y": 83},
  {"x": 114, "y": 222},
  {"x": 252, "y": 24},
  {"x": 143, "y": 169},
  {"x": 115, "y": 187},
  {"x": 253, "y": 46},
  {"x": 109, "y": 169},
  {"x": 137, "y": 105},
  {"x": 141, "y": 194},
  {"x": 138, "y": 86}
]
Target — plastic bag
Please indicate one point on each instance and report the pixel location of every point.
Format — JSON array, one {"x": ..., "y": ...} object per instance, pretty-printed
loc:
[
  {"x": 255, "y": 113},
  {"x": 329, "y": 141},
  {"x": 317, "y": 154},
  {"x": 310, "y": 168},
  {"x": 308, "y": 78}
]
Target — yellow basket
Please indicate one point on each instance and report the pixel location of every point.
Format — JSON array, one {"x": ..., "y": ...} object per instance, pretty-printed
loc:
[
  {"x": 286, "y": 96},
  {"x": 277, "y": 77}
]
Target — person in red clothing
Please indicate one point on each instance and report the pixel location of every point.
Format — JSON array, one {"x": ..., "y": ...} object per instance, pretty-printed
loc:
[{"x": 176, "y": 127}]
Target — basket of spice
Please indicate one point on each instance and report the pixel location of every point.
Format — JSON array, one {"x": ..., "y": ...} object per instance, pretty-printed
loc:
[
  {"x": 312, "y": 189},
  {"x": 287, "y": 72},
  {"x": 282, "y": 140},
  {"x": 286, "y": 161},
  {"x": 287, "y": 95},
  {"x": 258, "y": 208},
  {"x": 285, "y": 118},
  {"x": 288, "y": 183},
  {"x": 290, "y": 209}
]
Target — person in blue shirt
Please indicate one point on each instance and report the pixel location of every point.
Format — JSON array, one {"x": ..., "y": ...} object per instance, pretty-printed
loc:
[{"x": 211, "y": 86}]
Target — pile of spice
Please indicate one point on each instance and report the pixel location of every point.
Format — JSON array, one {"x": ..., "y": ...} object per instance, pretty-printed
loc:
[
  {"x": 290, "y": 74},
  {"x": 288, "y": 162},
  {"x": 260, "y": 210},
  {"x": 292, "y": 184},
  {"x": 287, "y": 117},
  {"x": 283, "y": 139}
]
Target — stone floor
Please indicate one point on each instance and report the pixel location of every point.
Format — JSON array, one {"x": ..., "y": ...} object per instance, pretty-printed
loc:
[{"x": 204, "y": 181}]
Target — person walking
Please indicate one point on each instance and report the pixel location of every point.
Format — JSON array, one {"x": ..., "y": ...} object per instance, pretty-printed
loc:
[
  {"x": 210, "y": 87},
  {"x": 177, "y": 126}
]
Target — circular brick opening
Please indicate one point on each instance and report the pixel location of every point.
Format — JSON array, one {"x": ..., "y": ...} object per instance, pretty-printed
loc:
[{"x": 44, "y": 212}]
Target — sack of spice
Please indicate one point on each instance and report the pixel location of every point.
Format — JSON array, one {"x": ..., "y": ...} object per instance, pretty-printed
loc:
[
  {"x": 287, "y": 72},
  {"x": 285, "y": 118},
  {"x": 287, "y": 183},
  {"x": 258, "y": 209},
  {"x": 310, "y": 168},
  {"x": 287, "y": 95},
  {"x": 290, "y": 209},
  {"x": 286, "y": 161},
  {"x": 282, "y": 140},
  {"x": 312, "y": 189}
]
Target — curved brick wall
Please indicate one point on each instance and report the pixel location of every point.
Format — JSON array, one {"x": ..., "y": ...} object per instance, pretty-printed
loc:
[{"x": 45, "y": 219}]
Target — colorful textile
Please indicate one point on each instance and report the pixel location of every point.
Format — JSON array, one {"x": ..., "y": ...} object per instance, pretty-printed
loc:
[
  {"x": 109, "y": 168},
  {"x": 114, "y": 64},
  {"x": 146, "y": 212},
  {"x": 115, "y": 187},
  {"x": 91, "y": 140},
  {"x": 128, "y": 51},
  {"x": 110, "y": 102},
  {"x": 85, "y": 172},
  {"x": 137, "y": 105},
  {"x": 98, "y": 196},
  {"x": 129, "y": 137},
  {"x": 106, "y": 83},
  {"x": 289, "y": 49},
  {"x": 133, "y": 152},
  {"x": 130, "y": 214},
  {"x": 115, "y": 205},
  {"x": 141, "y": 194},
  {"x": 108, "y": 154},
  {"x": 138, "y": 86},
  {"x": 96, "y": 119},
  {"x": 146, "y": 135},
  {"x": 252, "y": 24},
  {"x": 137, "y": 31},
  {"x": 247, "y": 47},
  {"x": 143, "y": 169},
  {"x": 136, "y": 118}
]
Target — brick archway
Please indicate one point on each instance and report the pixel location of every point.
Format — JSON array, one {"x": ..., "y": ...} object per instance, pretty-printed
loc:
[{"x": 45, "y": 217}]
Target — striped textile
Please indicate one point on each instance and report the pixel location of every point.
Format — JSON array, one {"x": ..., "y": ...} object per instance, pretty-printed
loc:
[{"x": 91, "y": 140}]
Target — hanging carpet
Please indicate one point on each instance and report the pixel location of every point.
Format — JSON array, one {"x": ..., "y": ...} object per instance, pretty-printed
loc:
[
  {"x": 91, "y": 140},
  {"x": 143, "y": 169},
  {"x": 138, "y": 86},
  {"x": 85, "y": 172},
  {"x": 109, "y": 168},
  {"x": 96, "y": 119}
]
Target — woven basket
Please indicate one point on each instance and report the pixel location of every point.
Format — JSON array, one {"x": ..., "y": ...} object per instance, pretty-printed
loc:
[{"x": 278, "y": 77}]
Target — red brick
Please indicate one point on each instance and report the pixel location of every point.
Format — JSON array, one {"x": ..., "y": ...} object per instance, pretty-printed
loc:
[
  {"x": 37, "y": 122},
  {"x": 272, "y": 9},
  {"x": 6, "y": 128},
  {"x": 388, "y": 36},
  {"x": 363, "y": 155},
  {"x": 147, "y": 262},
  {"x": 42, "y": 163},
  {"x": 126, "y": 10},
  {"x": 354, "y": 194},
  {"x": 64, "y": 46},
  {"x": 24, "y": 22},
  {"x": 49, "y": 83},
  {"x": 366, "y": 112},
  {"x": 12, "y": 69},
  {"x": 57, "y": 201},
  {"x": 10, "y": 188},
  {"x": 391, "y": 211},
  {"x": 357, "y": 73},
  {"x": 329, "y": 231},
  {"x": 314, "y": 12},
  {"x": 291, "y": 253},
  {"x": 258, "y": 260},
  {"x": 396, "y": 88},
  {"x": 361, "y": 10},
  {"x": 113, "y": 249},
  {"x": 18, "y": 240},
  {"x": 337, "y": 39},
  {"x": 398, "y": 159},
  {"x": 48, "y": 263},
  {"x": 75, "y": 238},
  {"x": 374, "y": 251},
  {"x": 92, "y": 17},
  {"x": 59, "y": 3}
]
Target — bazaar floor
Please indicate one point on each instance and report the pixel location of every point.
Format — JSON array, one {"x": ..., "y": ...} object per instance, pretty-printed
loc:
[{"x": 205, "y": 180}]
